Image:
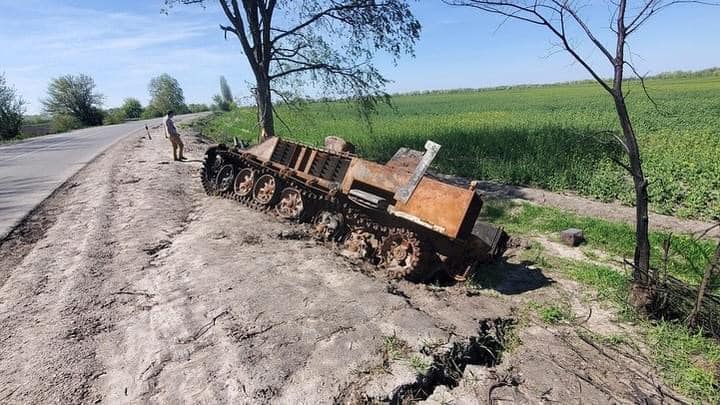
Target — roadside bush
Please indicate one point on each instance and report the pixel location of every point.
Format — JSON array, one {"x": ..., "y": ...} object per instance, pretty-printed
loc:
[
  {"x": 220, "y": 104},
  {"x": 196, "y": 108},
  {"x": 64, "y": 123},
  {"x": 12, "y": 108},
  {"x": 152, "y": 112},
  {"x": 131, "y": 108},
  {"x": 114, "y": 116}
]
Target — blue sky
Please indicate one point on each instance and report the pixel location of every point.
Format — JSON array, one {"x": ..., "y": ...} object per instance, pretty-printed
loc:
[{"x": 122, "y": 44}]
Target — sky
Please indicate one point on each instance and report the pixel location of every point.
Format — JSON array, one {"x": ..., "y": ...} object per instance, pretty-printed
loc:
[{"x": 122, "y": 44}]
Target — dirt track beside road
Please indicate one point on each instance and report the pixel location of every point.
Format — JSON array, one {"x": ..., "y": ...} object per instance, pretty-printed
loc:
[{"x": 129, "y": 285}]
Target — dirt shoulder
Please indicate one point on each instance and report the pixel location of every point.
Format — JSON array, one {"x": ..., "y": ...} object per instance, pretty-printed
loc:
[{"x": 130, "y": 285}]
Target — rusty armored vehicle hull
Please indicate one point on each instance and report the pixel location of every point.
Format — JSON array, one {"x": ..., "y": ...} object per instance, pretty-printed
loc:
[{"x": 394, "y": 216}]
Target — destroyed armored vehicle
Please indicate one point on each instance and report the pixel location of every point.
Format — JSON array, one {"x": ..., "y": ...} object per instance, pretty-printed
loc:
[{"x": 394, "y": 216}]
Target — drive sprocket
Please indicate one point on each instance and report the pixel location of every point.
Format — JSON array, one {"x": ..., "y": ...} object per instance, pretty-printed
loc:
[{"x": 404, "y": 255}]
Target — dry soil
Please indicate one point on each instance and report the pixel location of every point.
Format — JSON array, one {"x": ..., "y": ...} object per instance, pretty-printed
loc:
[{"x": 129, "y": 285}]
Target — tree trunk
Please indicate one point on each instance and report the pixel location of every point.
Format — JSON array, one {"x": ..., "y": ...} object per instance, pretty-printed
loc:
[
  {"x": 265, "y": 110},
  {"x": 712, "y": 266},
  {"x": 642, "y": 289}
]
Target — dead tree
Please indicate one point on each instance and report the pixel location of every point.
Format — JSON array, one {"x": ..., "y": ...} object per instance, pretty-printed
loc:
[
  {"x": 562, "y": 18},
  {"x": 328, "y": 42},
  {"x": 713, "y": 268}
]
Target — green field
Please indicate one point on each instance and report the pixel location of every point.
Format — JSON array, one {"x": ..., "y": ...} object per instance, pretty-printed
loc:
[{"x": 543, "y": 136}]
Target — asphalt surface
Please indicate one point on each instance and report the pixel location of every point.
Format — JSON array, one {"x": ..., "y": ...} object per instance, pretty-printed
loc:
[{"x": 31, "y": 170}]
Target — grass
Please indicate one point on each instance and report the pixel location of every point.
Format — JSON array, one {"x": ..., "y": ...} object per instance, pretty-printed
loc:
[
  {"x": 614, "y": 339},
  {"x": 397, "y": 349},
  {"x": 686, "y": 261},
  {"x": 544, "y": 136},
  {"x": 553, "y": 313},
  {"x": 687, "y": 361},
  {"x": 15, "y": 139},
  {"x": 394, "y": 347},
  {"x": 421, "y": 364}
]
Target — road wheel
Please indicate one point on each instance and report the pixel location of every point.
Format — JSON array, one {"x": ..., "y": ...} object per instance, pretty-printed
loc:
[
  {"x": 265, "y": 190},
  {"x": 360, "y": 244},
  {"x": 224, "y": 178},
  {"x": 291, "y": 205},
  {"x": 403, "y": 254},
  {"x": 329, "y": 226},
  {"x": 244, "y": 182}
]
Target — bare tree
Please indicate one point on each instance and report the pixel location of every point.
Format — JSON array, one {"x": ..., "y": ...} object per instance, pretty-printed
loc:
[
  {"x": 329, "y": 42},
  {"x": 562, "y": 18}
]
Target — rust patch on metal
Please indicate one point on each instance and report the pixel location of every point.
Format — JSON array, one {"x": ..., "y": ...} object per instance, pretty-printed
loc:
[{"x": 382, "y": 213}]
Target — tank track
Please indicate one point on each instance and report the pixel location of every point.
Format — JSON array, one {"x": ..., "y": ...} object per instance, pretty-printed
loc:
[{"x": 396, "y": 250}]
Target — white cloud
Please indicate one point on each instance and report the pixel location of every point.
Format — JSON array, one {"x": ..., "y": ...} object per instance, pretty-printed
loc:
[{"x": 40, "y": 40}]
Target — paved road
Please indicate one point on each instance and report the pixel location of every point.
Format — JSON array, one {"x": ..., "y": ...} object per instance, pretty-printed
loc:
[{"x": 31, "y": 170}]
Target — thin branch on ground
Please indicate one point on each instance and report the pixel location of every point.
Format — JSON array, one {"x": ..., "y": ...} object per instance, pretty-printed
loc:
[
  {"x": 142, "y": 293},
  {"x": 203, "y": 329}
]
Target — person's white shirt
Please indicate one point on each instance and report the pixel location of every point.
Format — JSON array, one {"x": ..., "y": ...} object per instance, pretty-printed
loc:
[{"x": 169, "y": 126}]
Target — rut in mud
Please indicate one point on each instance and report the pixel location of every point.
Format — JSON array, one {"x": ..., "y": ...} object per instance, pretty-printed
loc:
[{"x": 447, "y": 367}]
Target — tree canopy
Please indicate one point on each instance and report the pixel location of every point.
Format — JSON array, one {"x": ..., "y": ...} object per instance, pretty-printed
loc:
[
  {"x": 326, "y": 46},
  {"x": 165, "y": 95},
  {"x": 74, "y": 96},
  {"x": 12, "y": 109},
  {"x": 132, "y": 108}
]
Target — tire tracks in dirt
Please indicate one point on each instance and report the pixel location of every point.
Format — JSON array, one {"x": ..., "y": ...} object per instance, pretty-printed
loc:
[
  {"x": 67, "y": 283},
  {"x": 60, "y": 299}
]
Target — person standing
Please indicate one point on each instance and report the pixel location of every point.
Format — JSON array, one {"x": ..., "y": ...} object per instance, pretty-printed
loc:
[{"x": 172, "y": 134}]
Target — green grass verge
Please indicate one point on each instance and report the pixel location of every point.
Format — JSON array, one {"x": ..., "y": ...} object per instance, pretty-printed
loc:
[
  {"x": 687, "y": 361},
  {"x": 542, "y": 136},
  {"x": 686, "y": 261},
  {"x": 553, "y": 313}
]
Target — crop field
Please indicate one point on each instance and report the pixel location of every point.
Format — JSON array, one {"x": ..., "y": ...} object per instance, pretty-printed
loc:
[{"x": 554, "y": 137}]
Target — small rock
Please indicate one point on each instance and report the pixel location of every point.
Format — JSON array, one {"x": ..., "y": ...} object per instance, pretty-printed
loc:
[
  {"x": 520, "y": 243},
  {"x": 572, "y": 237},
  {"x": 441, "y": 395},
  {"x": 338, "y": 144}
]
